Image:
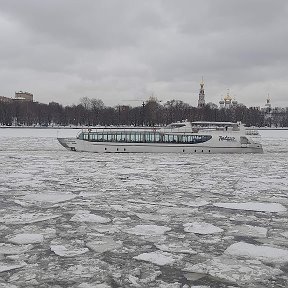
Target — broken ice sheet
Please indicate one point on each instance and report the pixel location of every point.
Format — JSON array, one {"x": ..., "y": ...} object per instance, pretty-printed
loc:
[
  {"x": 26, "y": 218},
  {"x": 248, "y": 230},
  {"x": 284, "y": 234},
  {"x": 263, "y": 253},
  {"x": 86, "y": 216},
  {"x": 152, "y": 217},
  {"x": 106, "y": 228},
  {"x": 67, "y": 250},
  {"x": 196, "y": 203},
  {"x": 202, "y": 228},
  {"x": 26, "y": 238},
  {"x": 176, "y": 247},
  {"x": 10, "y": 266},
  {"x": 233, "y": 270},
  {"x": 7, "y": 285},
  {"x": 177, "y": 211},
  {"x": 104, "y": 244},
  {"x": 159, "y": 258},
  {"x": 147, "y": 230},
  {"x": 48, "y": 197},
  {"x": 93, "y": 285},
  {"x": 11, "y": 249},
  {"x": 253, "y": 206}
]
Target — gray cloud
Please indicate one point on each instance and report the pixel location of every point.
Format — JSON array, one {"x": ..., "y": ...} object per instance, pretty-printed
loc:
[{"x": 129, "y": 49}]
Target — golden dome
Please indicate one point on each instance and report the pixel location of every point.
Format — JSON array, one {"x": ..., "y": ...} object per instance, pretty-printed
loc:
[{"x": 228, "y": 97}]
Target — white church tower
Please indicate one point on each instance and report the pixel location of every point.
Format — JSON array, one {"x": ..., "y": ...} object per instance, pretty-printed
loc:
[{"x": 201, "y": 100}]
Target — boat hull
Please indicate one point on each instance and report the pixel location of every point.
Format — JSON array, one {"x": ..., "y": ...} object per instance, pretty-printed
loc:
[{"x": 73, "y": 144}]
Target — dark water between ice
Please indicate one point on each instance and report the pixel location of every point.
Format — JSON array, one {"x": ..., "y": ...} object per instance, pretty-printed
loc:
[{"x": 141, "y": 220}]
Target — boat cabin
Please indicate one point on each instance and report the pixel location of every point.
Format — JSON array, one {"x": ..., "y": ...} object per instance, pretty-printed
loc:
[{"x": 142, "y": 137}]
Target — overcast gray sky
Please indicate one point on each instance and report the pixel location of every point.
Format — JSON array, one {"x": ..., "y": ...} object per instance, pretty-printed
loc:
[{"x": 117, "y": 50}]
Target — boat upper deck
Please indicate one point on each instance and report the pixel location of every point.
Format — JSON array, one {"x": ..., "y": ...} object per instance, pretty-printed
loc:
[{"x": 134, "y": 136}]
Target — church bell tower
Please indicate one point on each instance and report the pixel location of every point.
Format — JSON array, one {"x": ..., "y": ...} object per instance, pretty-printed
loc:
[{"x": 201, "y": 100}]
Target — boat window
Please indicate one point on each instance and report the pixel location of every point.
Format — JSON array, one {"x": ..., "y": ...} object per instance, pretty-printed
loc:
[
  {"x": 157, "y": 137},
  {"x": 138, "y": 137},
  {"x": 109, "y": 137},
  {"x": 85, "y": 136},
  {"x": 80, "y": 136},
  {"x": 149, "y": 137},
  {"x": 118, "y": 137}
]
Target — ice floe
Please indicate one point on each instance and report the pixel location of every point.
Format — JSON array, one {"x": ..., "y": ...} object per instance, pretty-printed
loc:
[
  {"x": 253, "y": 206},
  {"x": 49, "y": 197},
  {"x": 285, "y": 234},
  {"x": 148, "y": 230},
  {"x": 263, "y": 252},
  {"x": 10, "y": 266},
  {"x": 86, "y": 216},
  {"x": 104, "y": 244},
  {"x": 159, "y": 258},
  {"x": 177, "y": 211},
  {"x": 47, "y": 182},
  {"x": 152, "y": 203},
  {"x": 196, "y": 203},
  {"x": 11, "y": 249},
  {"x": 93, "y": 285},
  {"x": 67, "y": 251},
  {"x": 233, "y": 270},
  {"x": 176, "y": 247},
  {"x": 106, "y": 228},
  {"x": 152, "y": 217},
  {"x": 248, "y": 230},
  {"x": 7, "y": 285},
  {"x": 26, "y": 238},
  {"x": 201, "y": 228},
  {"x": 26, "y": 218}
]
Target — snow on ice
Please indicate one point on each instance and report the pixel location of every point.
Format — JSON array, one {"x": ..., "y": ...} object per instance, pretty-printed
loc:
[
  {"x": 27, "y": 218},
  {"x": 85, "y": 220},
  {"x": 104, "y": 244},
  {"x": 10, "y": 266},
  {"x": 86, "y": 216},
  {"x": 176, "y": 247},
  {"x": 248, "y": 230},
  {"x": 263, "y": 252},
  {"x": 148, "y": 230},
  {"x": 233, "y": 270},
  {"x": 202, "y": 228},
  {"x": 26, "y": 238},
  {"x": 253, "y": 206},
  {"x": 49, "y": 197},
  {"x": 64, "y": 251},
  {"x": 10, "y": 249},
  {"x": 159, "y": 258}
]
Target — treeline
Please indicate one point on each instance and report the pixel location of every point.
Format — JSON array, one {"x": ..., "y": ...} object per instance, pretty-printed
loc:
[{"x": 92, "y": 112}]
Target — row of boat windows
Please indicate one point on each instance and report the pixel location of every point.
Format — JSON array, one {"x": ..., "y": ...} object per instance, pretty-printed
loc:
[{"x": 143, "y": 137}]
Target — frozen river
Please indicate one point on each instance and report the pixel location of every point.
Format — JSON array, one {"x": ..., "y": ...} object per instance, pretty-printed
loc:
[{"x": 141, "y": 220}]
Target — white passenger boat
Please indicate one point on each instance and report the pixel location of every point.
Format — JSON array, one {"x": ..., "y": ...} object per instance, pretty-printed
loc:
[{"x": 180, "y": 137}]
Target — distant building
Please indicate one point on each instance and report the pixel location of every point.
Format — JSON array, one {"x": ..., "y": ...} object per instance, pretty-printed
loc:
[
  {"x": 228, "y": 102},
  {"x": 201, "y": 100},
  {"x": 24, "y": 96},
  {"x": 268, "y": 110},
  {"x": 268, "y": 106},
  {"x": 5, "y": 99}
]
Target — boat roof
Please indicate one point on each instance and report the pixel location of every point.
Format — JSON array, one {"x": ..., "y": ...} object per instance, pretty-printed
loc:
[{"x": 214, "y": 123}]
